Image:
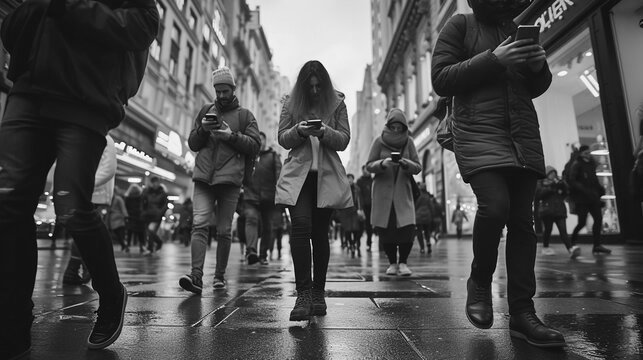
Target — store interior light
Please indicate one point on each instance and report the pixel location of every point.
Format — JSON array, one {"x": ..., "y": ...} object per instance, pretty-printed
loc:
[
  {"x": 598, "y": 152},
  {"x": 173, "y": 197},
  {"x": 134, "y": 180},
  {"x": 603, "y": 173},
  {"x": 588, "y": 84},
  {"x": 608, "y": 197},
  {"x": 588, "y": 54},
  {"x": 562, "y": 73}
]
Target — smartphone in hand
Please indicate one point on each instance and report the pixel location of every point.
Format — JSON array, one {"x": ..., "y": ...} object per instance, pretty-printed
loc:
[
  {"x": 531, "y": 32},
  {"x": 211, "y": 121},
  {"x": 396, "y": 156},
  {"x": 315, "y": 123}
]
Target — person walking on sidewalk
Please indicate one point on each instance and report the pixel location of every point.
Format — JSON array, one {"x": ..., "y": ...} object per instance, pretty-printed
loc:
[
  {"x": 154, "y": 206},
  {"x": 550, "y": 195},
  {"x": 585, "y": 191},
  {"x": 259, "y": 198},
  {"x": 116, "y": 215},
  {"x": 134, "y": 223},
  {"x": 365, "y": 184},
  {"x": 225, "y": 136},
  {"x": 351, "y": 219},
  {"x": 498, "y": 149},
  {"x": 314, "y": 126},
  {"x": 393, "y": 213},
  {"x": 457, "y": 218},
  {"x": 70, "y": 82},
  {"x": 423, "y": 219}
]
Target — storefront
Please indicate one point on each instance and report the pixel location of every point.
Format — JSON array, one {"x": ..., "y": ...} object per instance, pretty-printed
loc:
[{"x": 594, "y": 51}]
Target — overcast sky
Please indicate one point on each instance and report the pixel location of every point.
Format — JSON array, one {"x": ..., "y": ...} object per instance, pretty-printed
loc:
[{"x": 335, "y": 32}]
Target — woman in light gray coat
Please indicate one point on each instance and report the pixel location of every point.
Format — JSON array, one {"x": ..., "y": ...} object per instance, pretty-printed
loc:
[
  {"x": 312, "y": 181},
  {"x": 393, "y": 214}
]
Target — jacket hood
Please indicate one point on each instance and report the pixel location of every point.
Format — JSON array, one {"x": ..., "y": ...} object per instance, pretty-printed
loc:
[{"x": 396, "y": 116}]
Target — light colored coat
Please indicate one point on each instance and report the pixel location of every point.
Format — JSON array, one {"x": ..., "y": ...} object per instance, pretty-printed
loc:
[
  {"x": 104, "y": 179},
  {"x": 391, "y": 189},
  {"x": 333, "y": 190}
]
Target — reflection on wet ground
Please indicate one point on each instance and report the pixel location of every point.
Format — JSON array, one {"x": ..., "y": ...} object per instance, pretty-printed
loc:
[{"x": 596, "y": 301}]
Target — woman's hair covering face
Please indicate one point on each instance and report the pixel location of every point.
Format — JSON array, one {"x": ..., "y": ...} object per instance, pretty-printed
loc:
[
  {"x": 498, "y": 10},
  {"x": 300, "y": 100}
]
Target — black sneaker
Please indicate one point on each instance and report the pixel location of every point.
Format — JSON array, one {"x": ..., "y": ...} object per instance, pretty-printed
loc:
[
  {"x": 109, "y": 323},
  {"x": 191, "y": 283},
  {"x": 72, "y": 279},
  {"x": 15, "y": 341},
  {"x": 600, "y": 249},
  {"x": 303, "y": 306},
  {"x": 528, "y": 327},
  {"x": 252, "y": 258},
  {"x": 219, "y": 283},
  {"x": 263, "y": 261},
  {"x": 319, "y": 303}
]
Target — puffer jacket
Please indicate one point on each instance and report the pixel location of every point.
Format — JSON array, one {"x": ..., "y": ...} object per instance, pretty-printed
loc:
[
  {"x": 495, "y": 125},
  {"x": 72, "y": 55},
  {"x": 221, "y": 161},
  {"x": 550, "y": 196},
  {"x": 584, "y": 187}
]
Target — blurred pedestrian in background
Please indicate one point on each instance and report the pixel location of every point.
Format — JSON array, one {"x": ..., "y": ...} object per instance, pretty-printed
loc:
[
  {"x": 393, "y": 160},
  {"x": 585, "y": 191},
  {"x": 154, "y": 206},
  {"x": 133, "y": 222},
  {"x": 314, "y": 127},
  {"x": 226, "y": 139},
  {"x": 365, "y": 184},
  {"x": 259, "y": 198},
  {"x": 497, "y": 146},
  {"x": 67, "y": 93},
  {"x": 423, "y": 219},
  {"x": 352, "y": 219},
  {"x": 280, "y": 226},
  {"x": 550, "y": 196},
  {"x": 116, "y": 216},
  {"x": 458, "y": 216},
  {"x": 185, "y": 222}
]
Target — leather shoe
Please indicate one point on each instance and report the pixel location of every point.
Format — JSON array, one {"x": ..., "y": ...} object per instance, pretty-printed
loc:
[
  {"x": 528, "y": 327},
  {"x": 479, "y": 307}
]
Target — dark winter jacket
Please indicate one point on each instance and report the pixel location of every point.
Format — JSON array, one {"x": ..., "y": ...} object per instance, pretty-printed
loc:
[
  {"x": 134, "y": 206},
  {"x": 264, "y": 179},
  {"x": 423, "y": 214},
  {"x": 365, "y": 183},
  {"x": 550, "y": 196},
  {"x": 71, "y": 54},
  {"x": 223, "y": 161},
  {"x": 495, "y": 121},
  {"x": 154, "y": 204},
  {"x": 584, "y": 187},
  {"x": 349, "y": 217}
]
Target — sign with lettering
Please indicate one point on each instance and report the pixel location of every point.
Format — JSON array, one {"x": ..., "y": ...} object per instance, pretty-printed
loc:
[
  {"x": 557, "y": 15},
  {"x": 133, "y": 152}
]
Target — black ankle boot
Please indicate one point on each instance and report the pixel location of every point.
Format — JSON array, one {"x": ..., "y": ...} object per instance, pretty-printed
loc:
[
  {"x": 71, "y": 276},
  {"x": 303, "y": 306},
  {"x": 479, "y": 306},
  {"x": 528, "y": 327}
]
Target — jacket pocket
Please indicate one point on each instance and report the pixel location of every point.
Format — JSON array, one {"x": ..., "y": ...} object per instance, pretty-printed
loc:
[{"x": 224, "y": 154}]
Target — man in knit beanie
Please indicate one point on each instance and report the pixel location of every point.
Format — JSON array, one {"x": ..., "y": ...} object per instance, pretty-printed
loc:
[{"x": 221, "y": 133}]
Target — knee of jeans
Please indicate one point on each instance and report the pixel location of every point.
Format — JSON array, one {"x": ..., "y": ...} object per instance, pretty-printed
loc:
[
  {"x": 301, "y": 227},
  {"x": 497, "y": 212},
  {"x": 78, "y": 220},
  {"x": 224, "y": 234}
]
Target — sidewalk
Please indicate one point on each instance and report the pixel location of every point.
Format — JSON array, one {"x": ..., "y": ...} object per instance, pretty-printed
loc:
[{"x": 597, "y": 302}]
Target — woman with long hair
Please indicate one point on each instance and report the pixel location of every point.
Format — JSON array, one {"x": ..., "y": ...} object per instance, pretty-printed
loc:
[
  {"x": 394, "y": 160},
  {"x": 314, "y": 127}
]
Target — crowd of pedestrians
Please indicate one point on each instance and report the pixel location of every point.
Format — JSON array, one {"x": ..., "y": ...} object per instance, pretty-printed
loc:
[{"x": 303, "y": 195}]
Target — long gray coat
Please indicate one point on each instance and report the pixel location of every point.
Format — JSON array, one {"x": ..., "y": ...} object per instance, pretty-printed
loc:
[
  {"x": 391, "y": 188},
  {"x": 333, "y": 190}
]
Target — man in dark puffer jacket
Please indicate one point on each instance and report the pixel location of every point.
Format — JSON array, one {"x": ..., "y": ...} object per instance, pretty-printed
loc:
[
  {"x": 68, "y": 68},
  {"x": 499, "y": 152}
]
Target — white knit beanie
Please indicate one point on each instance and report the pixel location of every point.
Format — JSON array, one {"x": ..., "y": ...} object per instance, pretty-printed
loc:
[{"x": 223, "y": 75}]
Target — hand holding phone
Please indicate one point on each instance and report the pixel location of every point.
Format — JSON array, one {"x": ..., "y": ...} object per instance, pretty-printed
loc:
[
  {"x": 396, "y": 156},
  {"x": 210, "y": 122}
]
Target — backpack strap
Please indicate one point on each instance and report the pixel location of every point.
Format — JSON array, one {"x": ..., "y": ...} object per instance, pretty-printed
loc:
[{"x": 471, "y": 34}]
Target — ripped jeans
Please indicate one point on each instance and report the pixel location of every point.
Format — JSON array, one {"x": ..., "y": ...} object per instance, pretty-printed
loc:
[{"x": 29, "y": 145}]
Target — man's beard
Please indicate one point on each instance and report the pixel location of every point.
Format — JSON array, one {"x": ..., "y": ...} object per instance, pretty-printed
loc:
[{"x": 499, "y": 11}]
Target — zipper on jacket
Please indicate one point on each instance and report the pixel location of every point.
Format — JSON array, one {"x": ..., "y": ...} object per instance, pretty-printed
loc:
[{"x": 519, "y": 159}]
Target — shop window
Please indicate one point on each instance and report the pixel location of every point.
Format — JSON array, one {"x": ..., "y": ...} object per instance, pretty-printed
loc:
[
  {"x": 570, "y": 114},
  {"x": 174, "y": 50}
]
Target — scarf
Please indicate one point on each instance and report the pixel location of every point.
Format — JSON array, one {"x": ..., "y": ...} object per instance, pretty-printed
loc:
[{"x": 393, "y": 140}]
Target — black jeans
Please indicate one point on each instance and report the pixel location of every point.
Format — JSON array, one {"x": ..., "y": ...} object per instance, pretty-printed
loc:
[
  {"x": 368, "y": 226},
  {"x": 597, "y": 214},
  {"x": 309, "y": 223},
  {"x": 30, "y": 142},
  {"x": 505, "y": 197},
  {"x": 561, "y": 224},
  {"x": 259, "y": 218}
]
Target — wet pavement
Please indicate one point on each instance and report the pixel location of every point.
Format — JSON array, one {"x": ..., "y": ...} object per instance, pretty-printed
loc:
[{"x": 596, "y": 301}]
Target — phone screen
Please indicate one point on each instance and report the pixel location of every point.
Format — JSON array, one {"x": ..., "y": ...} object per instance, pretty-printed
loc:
[
  {"x": 315, "y": 123},
  {"x": 396, "y": 156},
  {"x": 528, "y": 32}
]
